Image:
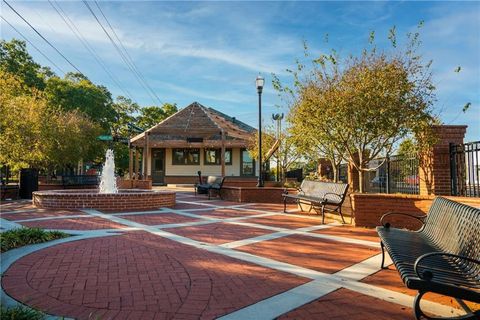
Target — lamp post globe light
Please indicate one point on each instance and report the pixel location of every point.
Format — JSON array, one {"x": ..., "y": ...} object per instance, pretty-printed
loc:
[{"x": 259, "y": 82}]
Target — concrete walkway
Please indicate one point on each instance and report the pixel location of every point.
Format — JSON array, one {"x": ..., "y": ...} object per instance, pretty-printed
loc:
[{"x": 202, "y": 260}]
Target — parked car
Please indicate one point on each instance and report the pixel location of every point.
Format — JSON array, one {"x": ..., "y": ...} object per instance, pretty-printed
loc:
[
  {"x": 412, "y": 180},
  {"x": 379, "y": 182}
]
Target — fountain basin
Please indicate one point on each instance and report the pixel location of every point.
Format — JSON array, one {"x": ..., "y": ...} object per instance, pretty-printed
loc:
[{"x": 124, "y": 200}]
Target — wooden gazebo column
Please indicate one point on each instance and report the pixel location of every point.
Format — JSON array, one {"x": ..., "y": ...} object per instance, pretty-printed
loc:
[
  {"x": 137, "y": 162},
  {"x": 145, "y": 154},
  {"x": 130, "y": 164},
  {"x": 222, "y": 157}
]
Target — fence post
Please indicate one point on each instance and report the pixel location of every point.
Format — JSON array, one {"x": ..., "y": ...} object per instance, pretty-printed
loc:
[
  {"x": 453, "y": 169},
  {"x": 388, "y": 174}
]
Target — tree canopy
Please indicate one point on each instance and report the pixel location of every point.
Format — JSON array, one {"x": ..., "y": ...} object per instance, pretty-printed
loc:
[{"x": 360, "y": 107}]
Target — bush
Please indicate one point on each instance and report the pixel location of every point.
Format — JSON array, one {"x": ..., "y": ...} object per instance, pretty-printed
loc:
[
  {"x": 20, "y": 313},
  {"x": 15, "y": 238}
]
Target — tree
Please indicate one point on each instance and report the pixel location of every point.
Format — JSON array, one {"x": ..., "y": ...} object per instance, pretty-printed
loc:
[
  {"x": 15, "y": 59},
  {"x": 77, "y": 92},
  {"x": 362, "y": 106},
  {"x": 287, "y": 153},
  {"x": 153, "y": 115},
  {"x": 34, "y": 135}
]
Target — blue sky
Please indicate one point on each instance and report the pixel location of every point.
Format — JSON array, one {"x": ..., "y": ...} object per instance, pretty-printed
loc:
[{"x": 211, "y": 52}]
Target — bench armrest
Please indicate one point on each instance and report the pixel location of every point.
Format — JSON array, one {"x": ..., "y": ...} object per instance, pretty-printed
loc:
[
  {"x": 340, "y": 196},
  {"x": 427, "y": 274},
  {"x": 285, "y": 190},
  {"x": 387, "y": 225}
]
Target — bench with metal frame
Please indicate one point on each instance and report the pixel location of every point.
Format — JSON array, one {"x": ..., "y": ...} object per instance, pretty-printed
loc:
[
  {"x": 214, "y": 183},
  {"x": 321, "y": 196},
  {"x": 442, "y": 257}
]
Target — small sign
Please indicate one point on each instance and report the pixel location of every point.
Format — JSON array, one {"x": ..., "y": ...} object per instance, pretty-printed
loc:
[{"x": 105, "y": 138}]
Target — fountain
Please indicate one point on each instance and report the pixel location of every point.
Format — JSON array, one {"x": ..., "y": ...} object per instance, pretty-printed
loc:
[
  {"x": 107, "y": 198},
  {"x": 108, "y": 182}
]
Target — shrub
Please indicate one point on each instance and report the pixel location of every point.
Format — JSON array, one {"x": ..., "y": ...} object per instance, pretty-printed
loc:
[
  {"x": 20, "y": 313},
  {"x": 15, "y": 238}
]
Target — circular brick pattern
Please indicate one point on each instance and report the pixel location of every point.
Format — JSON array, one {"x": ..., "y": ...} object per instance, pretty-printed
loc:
[
  {"x": 125, "y": 200},
  {"x": 139, "y": 276}
]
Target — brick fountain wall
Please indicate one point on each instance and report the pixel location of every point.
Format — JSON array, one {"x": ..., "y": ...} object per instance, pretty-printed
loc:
[{"x": 125, "y": 200}]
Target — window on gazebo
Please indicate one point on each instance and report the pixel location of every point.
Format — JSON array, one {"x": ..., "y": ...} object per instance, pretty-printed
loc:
[
  {"x": 213, "y": 156},
  {"x": 186, "y": 156}
]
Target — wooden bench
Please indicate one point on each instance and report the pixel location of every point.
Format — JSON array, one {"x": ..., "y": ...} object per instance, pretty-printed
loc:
[
  {"x": 441, "y": 257},
  {"x": 321, "y": 196},
  {"x": 213, "y": 183}
]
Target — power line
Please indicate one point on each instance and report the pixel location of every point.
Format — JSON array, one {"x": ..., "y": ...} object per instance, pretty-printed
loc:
[
  {"x": 71, "y": 25},
  {"x": 41, "y": 36},
  {"x": 29, "y": 42},
  {"x": 122, "y": 55},
  {"x": 127, "y": 55}
]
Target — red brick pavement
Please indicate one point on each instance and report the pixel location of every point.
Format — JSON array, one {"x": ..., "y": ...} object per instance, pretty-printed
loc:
[
  {"x": 40, "y": 213},
  {"x": 226, "y": 213},
  {"x": 159, "y": 218},
  {"x": 218, "y": 233},
  {"x": 139, "y": 276},
  {"x": 313, "y": 253},
  {"x": 351, "y": 232},
  {"x": 345, "y": 304},
  {"x": 286, "y": 221},
  {"x": 390, "y": 279},
  {"x": 90, "y": 223},
  {"x": 183, "y": 206}
]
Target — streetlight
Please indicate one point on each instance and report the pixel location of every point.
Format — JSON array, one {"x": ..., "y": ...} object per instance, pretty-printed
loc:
[
  {"x": 278, "y": 117},
  {"x": 259, "y": 82}
]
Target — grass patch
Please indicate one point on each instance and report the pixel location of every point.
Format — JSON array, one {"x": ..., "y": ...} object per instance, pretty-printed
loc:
[
  {"x": 20, "y": 237},
  {"x": 20, "y": 313}
]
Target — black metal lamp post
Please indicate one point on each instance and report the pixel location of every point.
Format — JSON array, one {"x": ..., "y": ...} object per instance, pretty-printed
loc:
[{"x": 259, "y": 82}]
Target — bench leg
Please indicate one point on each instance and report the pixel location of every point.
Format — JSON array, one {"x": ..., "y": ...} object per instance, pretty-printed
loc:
[
  {"x": 341, "y": 215},
  {"x": 382, "y": 266},
  {"x": 284, "y": 204},
  {"x": 323, "y": 214},
  {"x": 418, "y": 313}
]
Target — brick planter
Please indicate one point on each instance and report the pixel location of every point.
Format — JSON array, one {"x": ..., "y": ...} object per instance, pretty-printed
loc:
[
  {"x": 254, "y": 194},
  {"x": 125, "y": 200},
  {"x": 369, "y": 208}
]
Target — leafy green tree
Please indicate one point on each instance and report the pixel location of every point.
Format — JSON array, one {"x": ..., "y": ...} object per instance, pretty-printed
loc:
[
  {"x": 363, "y": 105},
  {"x": 77, "y": 92},
  {"x": 15, "y": 59},
  {"x": 151, "y": 116},
  {"x": 35, "y": 135}
]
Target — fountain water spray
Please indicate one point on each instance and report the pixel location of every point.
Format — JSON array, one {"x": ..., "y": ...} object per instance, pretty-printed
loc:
[{"x": 108, "y": 182}]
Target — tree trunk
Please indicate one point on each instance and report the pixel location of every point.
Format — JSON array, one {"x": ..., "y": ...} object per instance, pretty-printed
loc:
[
  {"x": 360, "y": 180},
  {"x": 335, "y": 171}
]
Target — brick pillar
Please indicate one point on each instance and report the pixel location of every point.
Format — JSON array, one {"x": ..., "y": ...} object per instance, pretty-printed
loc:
[
  {"x": 434, "y": 168},
  {"x": 324, "y": 168}
]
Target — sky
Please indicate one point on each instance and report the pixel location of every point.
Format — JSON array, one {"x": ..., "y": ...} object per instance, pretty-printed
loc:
[{"x": 211, "y": 52}]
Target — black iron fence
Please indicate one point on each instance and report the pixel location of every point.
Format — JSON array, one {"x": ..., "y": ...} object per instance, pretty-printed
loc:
[
  {"x": 80, "y": 180},
  {"x": 395, "y": 174},
  {"x": 465, "y": 169}
]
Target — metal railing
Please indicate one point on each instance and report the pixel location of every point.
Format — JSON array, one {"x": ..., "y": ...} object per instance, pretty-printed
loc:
[
  {"x": 394, "y": 174},
  {"x": 80, "y": 180},
  {"x": 465, "y": 169}
]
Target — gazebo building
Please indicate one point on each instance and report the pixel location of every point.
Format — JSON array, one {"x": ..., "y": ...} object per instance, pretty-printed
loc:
[{"x": 196, "y": 138}]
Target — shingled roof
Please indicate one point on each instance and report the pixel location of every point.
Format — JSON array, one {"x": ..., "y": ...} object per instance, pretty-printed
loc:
[{"x": 197, "y": 121}]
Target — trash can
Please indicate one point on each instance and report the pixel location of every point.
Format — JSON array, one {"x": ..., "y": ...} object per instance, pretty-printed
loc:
[{"x": 28, "y": 183}]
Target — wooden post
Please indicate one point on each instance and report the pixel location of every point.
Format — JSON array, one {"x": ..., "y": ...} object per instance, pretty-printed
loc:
[
  {"x": 137, "y": 163},
  {"x": 147, "y": 153},
  {"x": 130, "y": 164},
  {"x": 222, "y": 157}
]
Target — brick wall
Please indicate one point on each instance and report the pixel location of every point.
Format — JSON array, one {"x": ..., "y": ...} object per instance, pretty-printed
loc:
[
  {"x": 127, "y": 201},
  {"x": 368, "y": 208},
  {"x": 253, "y": 194}
]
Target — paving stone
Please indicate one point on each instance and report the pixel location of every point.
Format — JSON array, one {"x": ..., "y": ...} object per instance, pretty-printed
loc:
[
  {"x": 346, "y": 304},
  {"x": 313, "y": 253}
]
